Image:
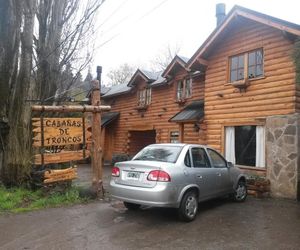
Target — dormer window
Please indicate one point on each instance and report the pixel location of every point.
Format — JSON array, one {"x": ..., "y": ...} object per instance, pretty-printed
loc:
[
  {"x": 144, "y": 97},
  {"x": 184, "y": 89},
  {"x": 248, "y": 65}
]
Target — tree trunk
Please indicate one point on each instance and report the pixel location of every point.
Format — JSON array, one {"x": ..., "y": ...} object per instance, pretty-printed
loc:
[
  {"x": 10, "y": 23},
  {"x": 18, "y": 152}
]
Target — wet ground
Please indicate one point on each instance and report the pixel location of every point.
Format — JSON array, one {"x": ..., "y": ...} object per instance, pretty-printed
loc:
[{"x": 220, "y": 224}]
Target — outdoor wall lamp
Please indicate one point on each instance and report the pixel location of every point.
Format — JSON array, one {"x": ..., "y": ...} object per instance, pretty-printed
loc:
[{"x": 196, "y": 127}]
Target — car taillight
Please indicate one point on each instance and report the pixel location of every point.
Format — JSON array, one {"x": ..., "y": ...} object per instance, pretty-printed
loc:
[
  {"x": 115, "y": 172},
  {"x": 158, "y": 175}
]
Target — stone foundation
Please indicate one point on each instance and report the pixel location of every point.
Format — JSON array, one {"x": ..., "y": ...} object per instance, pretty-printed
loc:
[{"x": 282, "y": 152}]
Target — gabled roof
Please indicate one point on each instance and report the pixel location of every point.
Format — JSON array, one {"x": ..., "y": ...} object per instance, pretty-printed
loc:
[
  {"x": 148, "y": 76},
  {"x": 177, "y": 60},
  {"x": 246, "y": 13}
]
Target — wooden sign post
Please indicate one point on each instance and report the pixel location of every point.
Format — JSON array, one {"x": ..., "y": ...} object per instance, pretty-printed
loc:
[{"x": 60, "y": 132}]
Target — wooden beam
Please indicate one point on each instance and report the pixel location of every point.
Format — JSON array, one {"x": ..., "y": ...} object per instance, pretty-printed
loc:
[
  {"x": 181, "y": 132},
  {"x": 64, "y": 156},
  {"x": 202, "y": 61},
  {"x": 97, "y": 183},
  {"x": 75, "y": 108}
]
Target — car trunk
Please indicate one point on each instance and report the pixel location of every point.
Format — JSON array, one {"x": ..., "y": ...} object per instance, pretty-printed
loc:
[{"x": 134, "y": 173}]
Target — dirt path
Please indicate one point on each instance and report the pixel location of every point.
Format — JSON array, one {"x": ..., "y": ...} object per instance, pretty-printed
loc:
[{"x": 255, "y": 224}]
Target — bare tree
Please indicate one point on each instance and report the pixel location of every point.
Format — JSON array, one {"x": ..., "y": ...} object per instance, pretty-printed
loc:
[
  {"x": 120, "y": 75},
  {"x": 37, "y": 65},
  {"x": 164, "y": 57}
]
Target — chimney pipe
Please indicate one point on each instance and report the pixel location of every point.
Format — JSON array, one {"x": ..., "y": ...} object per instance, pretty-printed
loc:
[
  {"x": 99, "y": 72},
  {"x": 220, "y": 13}
]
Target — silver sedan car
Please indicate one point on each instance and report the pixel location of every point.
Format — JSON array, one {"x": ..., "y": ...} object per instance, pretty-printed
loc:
[{"x": 176, "y": 175}]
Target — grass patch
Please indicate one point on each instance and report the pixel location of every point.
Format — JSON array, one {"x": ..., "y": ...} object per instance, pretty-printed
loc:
[{"x": 17, "y": 200}]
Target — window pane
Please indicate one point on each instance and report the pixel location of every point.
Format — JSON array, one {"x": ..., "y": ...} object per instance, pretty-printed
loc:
[
  {"x": 233, "y": 75},
  {"x": 187, "y": 159},
  {"x": 234, "y": 63},
  {"x": 159, "y": 153},
  {"x": 259, "y": 70},
  {"x": 199, "y": 158},
  {"x": 241, "y": 61},
  {"x": 251, "y": 58},
  {"x": 259, "y": 57},
  {"x": 240, "y": 75},
  {"x": 245, "y": 145},
  {"x": 216, "y": 159},
  {"x": 251, "y": 72},
  {"x": 188, "y": 88},
  {"x": 179, "y": 90}
]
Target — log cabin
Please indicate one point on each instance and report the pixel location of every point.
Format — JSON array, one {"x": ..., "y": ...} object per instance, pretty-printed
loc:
[
  {"x": 154, "y": 108},
  {"x": 237, "y": 93},
  {"x": 251, "y": 95}
]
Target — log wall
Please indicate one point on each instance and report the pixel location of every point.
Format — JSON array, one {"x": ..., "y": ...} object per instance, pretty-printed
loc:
[
  {"x": 155, "y": 117},
  {"x": 272, "y": 94}
]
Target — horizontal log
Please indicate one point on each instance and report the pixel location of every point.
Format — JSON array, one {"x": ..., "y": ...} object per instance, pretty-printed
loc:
[
  {"x": 66, "y": 177},
  {"x": 75, "y": 108},
  {"x": 59, "y": 172},
  {"x": 64, "y": 156}
]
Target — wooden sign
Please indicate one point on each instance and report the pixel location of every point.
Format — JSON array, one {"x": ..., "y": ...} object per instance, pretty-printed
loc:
[
  {"x": 63, "y": 156},
  {"x": 51, "y": 176},
  {"x": 59, "y": 131}
]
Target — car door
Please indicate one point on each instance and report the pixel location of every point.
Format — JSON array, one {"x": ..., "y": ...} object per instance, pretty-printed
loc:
[
  {"x": 203, "y": 173},
  {"x": 222, "y": 173}
]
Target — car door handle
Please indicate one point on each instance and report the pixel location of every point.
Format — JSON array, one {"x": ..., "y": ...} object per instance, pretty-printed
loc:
[
  {"x": 199, "y": 176},
  {"x": 218, "y": 174}
]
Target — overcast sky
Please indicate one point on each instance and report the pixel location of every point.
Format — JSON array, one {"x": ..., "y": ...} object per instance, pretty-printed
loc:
[{"x": 136, "y": 31}]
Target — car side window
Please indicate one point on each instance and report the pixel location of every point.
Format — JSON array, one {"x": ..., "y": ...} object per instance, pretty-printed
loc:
[
  {"x": 199, "y": 158},
  {"x": 216, "y": 159},
  {"x": 187, "y": 159}
]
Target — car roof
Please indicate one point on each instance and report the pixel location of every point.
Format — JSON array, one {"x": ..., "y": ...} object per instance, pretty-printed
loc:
[{"x": 178, "y": 144}]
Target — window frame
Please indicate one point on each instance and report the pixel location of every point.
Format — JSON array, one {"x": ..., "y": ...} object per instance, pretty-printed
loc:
[
  {"x": 249, "y": 123},
  {"x": 207, "y": 159},
  {"x": 210, "y": 159},
  {"x": 183, "y": 90},
  {"x": 245, "y": 65},
  {"x": 144, "y": 97}
]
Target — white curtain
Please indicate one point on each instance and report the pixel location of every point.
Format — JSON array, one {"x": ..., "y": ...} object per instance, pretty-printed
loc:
[
  {"x": 230, "y": 144},
  {"x": 260, "y": 146}
]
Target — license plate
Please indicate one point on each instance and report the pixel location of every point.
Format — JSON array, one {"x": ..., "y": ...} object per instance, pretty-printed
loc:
[{"x": 133, "y": 175}]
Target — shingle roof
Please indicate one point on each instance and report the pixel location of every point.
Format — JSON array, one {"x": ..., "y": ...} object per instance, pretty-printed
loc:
[
  {"x": 117, "y": 90},
  {"x": 108, "y": 117},
  {"x": 191, "y": 113}
]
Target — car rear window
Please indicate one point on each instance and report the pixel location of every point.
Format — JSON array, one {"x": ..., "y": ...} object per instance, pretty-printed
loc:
[{"x": 159, "y": 153}]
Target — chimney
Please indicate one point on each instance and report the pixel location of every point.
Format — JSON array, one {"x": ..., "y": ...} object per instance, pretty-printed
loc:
[{"x": 220, "y": 13}]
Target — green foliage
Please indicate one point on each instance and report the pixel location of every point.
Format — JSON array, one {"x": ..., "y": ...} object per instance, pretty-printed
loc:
[
  {"x": 20, "y": 199},
  {"x": 296, "y": 57}
]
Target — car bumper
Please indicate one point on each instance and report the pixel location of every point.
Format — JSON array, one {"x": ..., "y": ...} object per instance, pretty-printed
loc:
[{"x": 162, "y": 195}]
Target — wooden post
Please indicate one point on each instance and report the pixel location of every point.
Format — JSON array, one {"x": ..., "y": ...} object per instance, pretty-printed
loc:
[
  {"x": 96, "y": 143},
  {"x": 181, "y": 132}
]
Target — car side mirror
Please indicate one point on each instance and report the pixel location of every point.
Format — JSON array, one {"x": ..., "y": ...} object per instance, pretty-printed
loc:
[{"x": 230, "y": 164}]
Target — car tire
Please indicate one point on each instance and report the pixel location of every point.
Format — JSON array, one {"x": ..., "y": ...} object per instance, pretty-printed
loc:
[
  {"x": 131, "y": 206},
  {"x": 188, "y": 208},
  {"x": 240, "y": 192}
]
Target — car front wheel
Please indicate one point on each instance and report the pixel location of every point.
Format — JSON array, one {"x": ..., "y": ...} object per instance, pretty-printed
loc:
[
  {"x": 240, "y": 193},
  {"x": 131, "y": 206},
  {"x": 188, "y": 207}
]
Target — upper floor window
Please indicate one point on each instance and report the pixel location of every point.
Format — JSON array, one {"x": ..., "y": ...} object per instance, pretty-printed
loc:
[
  {"x": 184, "y": 89},
  {"x": 144, "y": 97},
  {"x": 248, "y": 65}
]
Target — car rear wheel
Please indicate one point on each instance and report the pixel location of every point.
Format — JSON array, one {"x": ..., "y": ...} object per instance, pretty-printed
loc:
[
  {"x": 188, "y": 206},
  {"x": 131, "y": 206},
  {"x": 240, "y": 193}
]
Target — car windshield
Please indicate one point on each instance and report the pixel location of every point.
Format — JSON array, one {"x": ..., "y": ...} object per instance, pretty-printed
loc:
[{"x": 159, "y": 153}]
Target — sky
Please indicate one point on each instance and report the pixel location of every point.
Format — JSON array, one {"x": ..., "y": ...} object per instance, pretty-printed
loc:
[{"x": 137, "y": 31}]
